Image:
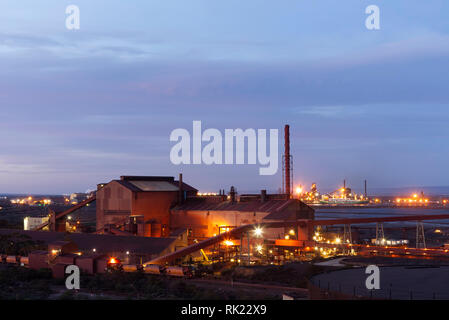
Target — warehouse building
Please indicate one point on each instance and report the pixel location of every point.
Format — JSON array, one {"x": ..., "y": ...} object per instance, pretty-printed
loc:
[
  {"x": 140, "y": 205},
  {"x": 206, "y": 217},
  {"x": 154, "y": 206}
]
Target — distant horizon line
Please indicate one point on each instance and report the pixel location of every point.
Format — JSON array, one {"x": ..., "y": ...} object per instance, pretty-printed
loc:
[{"x": 270, "y": 191}]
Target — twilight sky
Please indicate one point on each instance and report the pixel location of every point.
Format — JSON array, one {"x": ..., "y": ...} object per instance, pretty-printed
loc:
[{"x": 83, "y": 107}]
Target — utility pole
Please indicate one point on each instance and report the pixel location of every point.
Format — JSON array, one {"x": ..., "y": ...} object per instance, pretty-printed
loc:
[
  {"x": 249, "y": 250},
  {"x": 347, "y": 238},
  {"x": 241, "y": 248}
]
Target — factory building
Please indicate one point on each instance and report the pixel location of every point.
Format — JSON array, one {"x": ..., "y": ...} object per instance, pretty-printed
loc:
[
  {"x": 159, "y": 206},
  {"x": 206, "y": 217},
  {"x": 29, "y": 223},
  {"x": 141, "y": 204}
]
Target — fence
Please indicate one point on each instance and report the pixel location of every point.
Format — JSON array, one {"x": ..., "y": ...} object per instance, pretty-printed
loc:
[{"x": 338, "y": 291}]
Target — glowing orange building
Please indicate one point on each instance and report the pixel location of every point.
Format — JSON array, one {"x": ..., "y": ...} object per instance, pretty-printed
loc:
[{"x": 206, "y": 217}]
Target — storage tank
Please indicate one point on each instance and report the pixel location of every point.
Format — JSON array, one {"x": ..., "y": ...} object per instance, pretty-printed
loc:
[
  {"x": 153, "y": 269},
  {"x": 178, "y": 271},
  {"x": 129, "y": 268}
]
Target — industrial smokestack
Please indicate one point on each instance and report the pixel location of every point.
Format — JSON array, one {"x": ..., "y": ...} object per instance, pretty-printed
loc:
[
  {"x": 366, "y": 189},
  {"x": 287, "y": 159},
  {"x": 181, "y": 191},
  {"x": 232, "y": 194},
  {"x": 263, "y": 195},
  {"x": 223, "y": 195}
]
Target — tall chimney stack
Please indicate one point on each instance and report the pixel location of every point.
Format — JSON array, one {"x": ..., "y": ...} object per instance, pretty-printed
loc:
[
  {"x": 263, "y": 195},
  {"x": 366, "y": 189},
  {"x": 287, "y": 159},
  {"x": 181, "y": 191}
]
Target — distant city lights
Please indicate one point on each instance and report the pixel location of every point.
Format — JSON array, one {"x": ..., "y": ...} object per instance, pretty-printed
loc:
[{"x": 29, "y": 201}]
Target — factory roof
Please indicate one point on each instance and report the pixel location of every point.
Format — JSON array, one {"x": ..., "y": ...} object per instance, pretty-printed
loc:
[
  {"x": 154, "y": 185},
  {"x": 279, "y": 209},
  {"x": 101, "y": 243},
  {"x": 150, "y": 183},
  {"x": 282, "y": 215}
]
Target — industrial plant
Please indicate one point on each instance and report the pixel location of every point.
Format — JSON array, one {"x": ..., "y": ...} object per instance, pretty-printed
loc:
[{"x": 161, "y": 225}]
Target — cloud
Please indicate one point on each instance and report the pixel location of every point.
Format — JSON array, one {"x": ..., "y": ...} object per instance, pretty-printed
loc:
[
  {"x": 88, "y": 154},
  {"x": 25, "y": 40},
  {"x": 331, "y": 111},
  {"x": 13, "y": 167},
  {"x": 401, "y": 71},
  {"x": 105, "y": 107}
]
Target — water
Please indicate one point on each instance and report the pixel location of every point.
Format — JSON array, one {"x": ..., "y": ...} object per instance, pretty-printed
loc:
[{"x": 360, "y": 212}]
